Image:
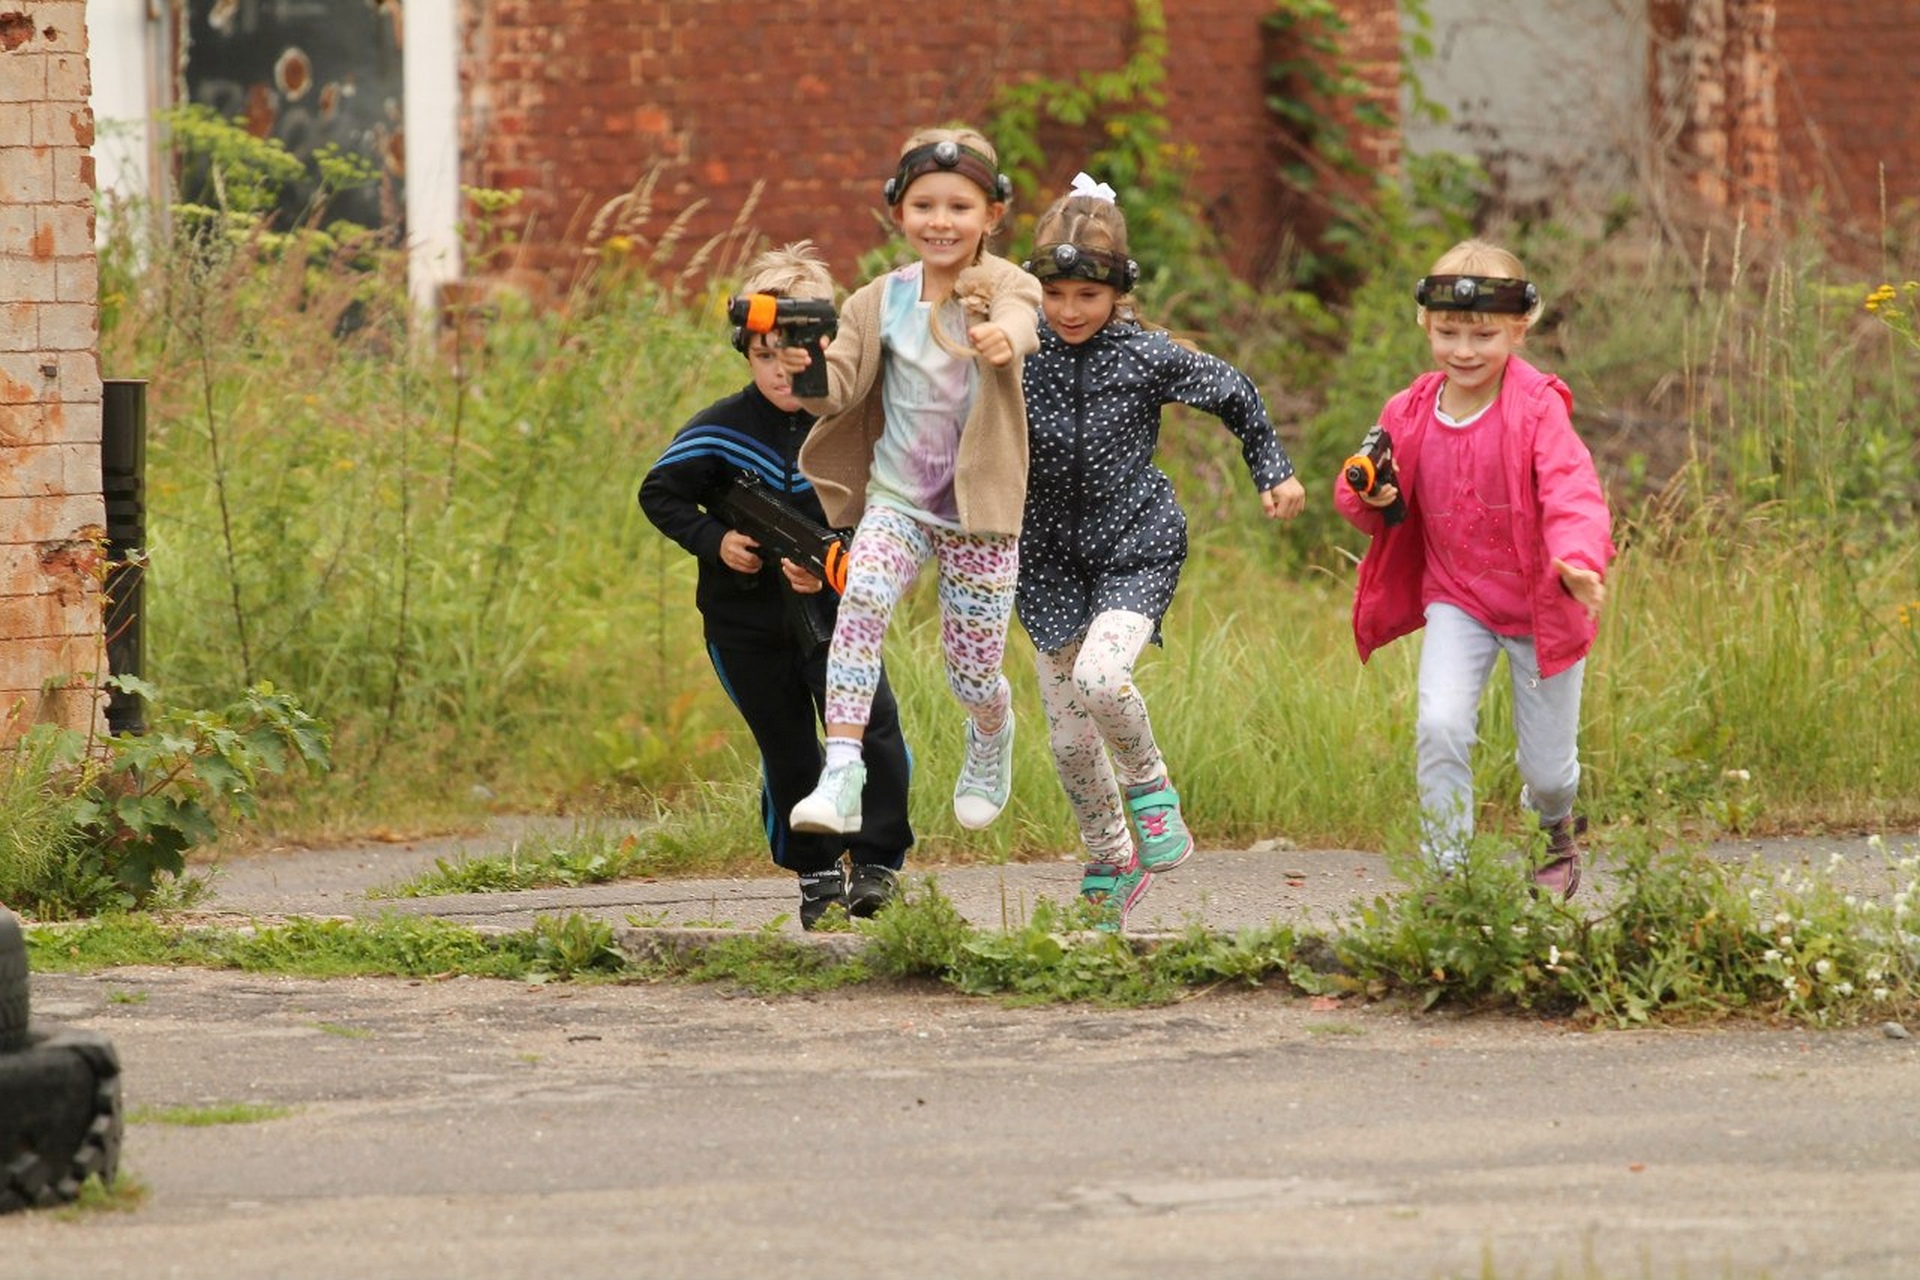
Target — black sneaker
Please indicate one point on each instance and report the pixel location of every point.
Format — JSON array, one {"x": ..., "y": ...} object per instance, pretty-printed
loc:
[
  {"x": 820, "y": 892},
  {"x": 874, "y": 886}
]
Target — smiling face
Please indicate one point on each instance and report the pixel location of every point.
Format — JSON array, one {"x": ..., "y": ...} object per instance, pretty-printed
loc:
[
  {"x": 1077, "y": 309},
  {"x": 944, "y": 217},
  {"x": 1472, "y": 350}
]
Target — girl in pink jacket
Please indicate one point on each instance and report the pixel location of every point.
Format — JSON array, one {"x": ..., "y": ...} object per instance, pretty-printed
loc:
[{"x": 1489, "y": 530}]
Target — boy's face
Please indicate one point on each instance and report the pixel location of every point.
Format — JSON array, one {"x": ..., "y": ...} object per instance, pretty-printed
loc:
[
  {"x": 1076, "y": 309},
  {"x": 944, "y": 217},
  {"x": 1472, "y": 350},
  {"x": 774, "y": 382}
]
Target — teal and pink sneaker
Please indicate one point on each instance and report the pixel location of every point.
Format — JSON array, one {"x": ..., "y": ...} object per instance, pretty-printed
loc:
[
  {"x": 1113, "y": 889},
  {"x": 1165, "y": 842}
]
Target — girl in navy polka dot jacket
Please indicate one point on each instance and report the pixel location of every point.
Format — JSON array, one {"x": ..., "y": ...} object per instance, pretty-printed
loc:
[{"x": 1103, "y": 538}]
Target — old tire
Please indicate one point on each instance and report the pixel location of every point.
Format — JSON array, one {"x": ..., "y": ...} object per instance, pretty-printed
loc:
[
  {"x": 60, "y": 1120},
  {"x": 13, "y": 985}
]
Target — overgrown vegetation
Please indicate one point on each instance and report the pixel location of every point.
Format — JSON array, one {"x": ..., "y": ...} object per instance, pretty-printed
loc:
[
  {"x": 90, "y": 822},
  {"x": 1681, "y": 937},
  {"x": 572, "y": 946},
  {"x": 438, "y": 547}
]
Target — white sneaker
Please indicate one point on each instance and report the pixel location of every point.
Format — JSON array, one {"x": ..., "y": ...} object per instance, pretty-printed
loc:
[
  {"x": 986, "y": 776},
  {"x": 834, "y": 807}
]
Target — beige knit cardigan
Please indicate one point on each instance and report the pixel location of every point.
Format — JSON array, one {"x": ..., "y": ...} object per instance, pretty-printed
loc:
[{"x": 990, "y": 478}]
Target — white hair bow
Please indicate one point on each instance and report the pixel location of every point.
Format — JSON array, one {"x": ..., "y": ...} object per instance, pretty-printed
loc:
[{"x": 1084, "y": 185}]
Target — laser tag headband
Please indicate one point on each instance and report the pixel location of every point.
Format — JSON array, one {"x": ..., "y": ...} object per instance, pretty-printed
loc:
[
  {"x": 1071, "y": 262},
  {"x": 947, "y": 156},
  {"x": 1490, "y": 295}
]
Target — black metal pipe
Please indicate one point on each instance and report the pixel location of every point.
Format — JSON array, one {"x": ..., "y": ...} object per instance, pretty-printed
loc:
[{"x": 123, "y": 467}]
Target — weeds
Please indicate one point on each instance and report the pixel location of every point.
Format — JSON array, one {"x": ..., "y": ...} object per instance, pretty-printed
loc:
[
  {"x": 95, "y": 823},
  {"x": 539, "y": 862},
  {"x": 1679, "y": 937},
  {"x": 573, "y": 946},
  {"x": 123, "y": 1194},
  {"x": 762, "y": 962},
  {"x": 219, "y": 1113},
  {"x": 590, "y": 856}
]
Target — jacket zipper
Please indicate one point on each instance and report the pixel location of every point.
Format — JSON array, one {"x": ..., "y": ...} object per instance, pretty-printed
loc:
[{"x": 1079, "y": 441}]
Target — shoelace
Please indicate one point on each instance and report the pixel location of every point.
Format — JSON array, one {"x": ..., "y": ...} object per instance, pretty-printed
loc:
[
  {"x": 1155, "y": 823},
  {"x": 977, "y": 772}
]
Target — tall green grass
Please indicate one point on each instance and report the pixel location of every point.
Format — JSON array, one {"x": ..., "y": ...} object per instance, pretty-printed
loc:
[{"x": 433, "y": 541}]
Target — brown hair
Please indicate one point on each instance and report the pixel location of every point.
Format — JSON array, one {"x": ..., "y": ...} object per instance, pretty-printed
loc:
[{"x": 1088, "y": 222}]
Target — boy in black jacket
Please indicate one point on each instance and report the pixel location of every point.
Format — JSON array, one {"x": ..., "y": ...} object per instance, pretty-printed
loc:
[{"x": 767, "y": 621}]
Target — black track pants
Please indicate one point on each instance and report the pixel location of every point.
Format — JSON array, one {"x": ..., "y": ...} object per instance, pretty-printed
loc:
[{"x": 781, "y": 694}]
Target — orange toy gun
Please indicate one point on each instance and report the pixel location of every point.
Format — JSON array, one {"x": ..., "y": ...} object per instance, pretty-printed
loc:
[
  {"x": 802, "y": 322},
  {"x": 1372, "y": 468}
]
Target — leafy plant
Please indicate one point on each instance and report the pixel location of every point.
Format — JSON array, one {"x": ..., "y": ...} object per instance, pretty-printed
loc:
[
  {"x": 1476, "y": 936},
  {"x": 108, "y": 821},
  {"x": 573, "y": 946}
]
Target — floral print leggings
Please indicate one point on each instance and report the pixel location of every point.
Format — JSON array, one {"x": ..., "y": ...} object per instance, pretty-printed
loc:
[
  {"x": 977, "y": 576},
  {"x": 1093, "y": 709}
]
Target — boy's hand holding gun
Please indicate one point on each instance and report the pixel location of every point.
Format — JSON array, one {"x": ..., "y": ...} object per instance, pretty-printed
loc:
[{"x": 810, "y": 553}]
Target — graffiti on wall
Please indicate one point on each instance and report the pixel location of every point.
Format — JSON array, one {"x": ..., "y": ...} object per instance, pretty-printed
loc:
[{"x": 310, "y": 73}]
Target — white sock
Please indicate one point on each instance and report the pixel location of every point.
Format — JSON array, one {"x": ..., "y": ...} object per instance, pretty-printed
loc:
[{"x": 842, "y": 751}]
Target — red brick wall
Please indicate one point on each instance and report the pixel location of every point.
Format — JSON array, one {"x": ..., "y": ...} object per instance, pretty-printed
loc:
[
  {"x": 1846, "y": 105},
  {"x": 1787, "y": 112},
  {"x": 51, "y": 510},
  {"x": 575, "y": 100}
]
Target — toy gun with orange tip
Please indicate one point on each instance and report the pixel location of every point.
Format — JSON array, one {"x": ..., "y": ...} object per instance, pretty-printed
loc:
[
  {"x": 754, "y": 510},
  {"x": 1372, "y": 468},
  {"x": 800, "y": 322}
]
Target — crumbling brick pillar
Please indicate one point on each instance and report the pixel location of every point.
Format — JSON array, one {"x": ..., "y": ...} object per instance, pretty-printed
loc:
[{"x": 52, "y": 517}]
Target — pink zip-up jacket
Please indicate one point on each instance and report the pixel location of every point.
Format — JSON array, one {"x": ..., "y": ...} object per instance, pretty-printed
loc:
[{"x": 1559, "y": 513}]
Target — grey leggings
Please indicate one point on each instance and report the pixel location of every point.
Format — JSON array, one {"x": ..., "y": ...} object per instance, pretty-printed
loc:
[{"x": 1456, "y": 660}]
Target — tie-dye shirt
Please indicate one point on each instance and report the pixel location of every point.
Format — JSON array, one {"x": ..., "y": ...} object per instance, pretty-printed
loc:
[{"x": 927, "y": 393}]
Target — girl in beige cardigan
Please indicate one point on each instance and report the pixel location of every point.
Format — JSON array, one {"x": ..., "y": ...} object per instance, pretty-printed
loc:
[{"x": 922, "y": 446}]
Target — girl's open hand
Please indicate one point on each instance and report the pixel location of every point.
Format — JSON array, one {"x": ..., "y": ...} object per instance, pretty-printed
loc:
[
  {"x": 1285, "y": 500},
  {"x": 993, "y": 344},
  {"x": 1584, "y": 585}
]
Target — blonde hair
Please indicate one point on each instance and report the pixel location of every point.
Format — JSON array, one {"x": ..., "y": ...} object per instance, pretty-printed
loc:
[
  {"x": 1479, "y": 258},
  {"x": 1088, "y": 222},
  {"x": 794, "y": 270},
  {"x": 973, "y": 140}
]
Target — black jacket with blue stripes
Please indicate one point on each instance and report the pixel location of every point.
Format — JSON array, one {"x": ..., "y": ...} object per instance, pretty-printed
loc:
[{"x": 743, "y": 432}]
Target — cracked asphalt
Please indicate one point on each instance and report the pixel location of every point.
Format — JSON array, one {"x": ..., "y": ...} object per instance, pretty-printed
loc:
[{"x": 485, "y": 1129}]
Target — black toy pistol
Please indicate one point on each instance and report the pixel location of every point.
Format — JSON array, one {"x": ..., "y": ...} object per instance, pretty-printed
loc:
[
  {"x": 1372, "y": 468},
  {"x": 799, "y": 322}
]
